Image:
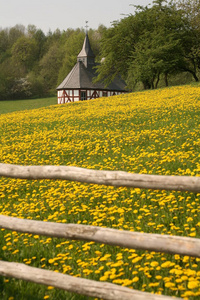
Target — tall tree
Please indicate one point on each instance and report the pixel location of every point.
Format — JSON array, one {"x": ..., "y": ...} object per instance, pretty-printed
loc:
[
  {"x": 50, "y": 64},
  {"x": 191, "y": 12},
  {"x": 159, "y": 49},
  {"x": 24, "y": 52},
  {"x": 152, "y": 58},
  {"x": 146, "y": 45},
  {"x": 15, "y": 33},
  {"x": 117, "y": 44},
  {"x": 4, "y": 45}
]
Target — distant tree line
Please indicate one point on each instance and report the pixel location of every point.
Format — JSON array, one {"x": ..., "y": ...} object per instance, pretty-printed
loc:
[
  {"x": 154, "y": 43},
  {"x": 33, "y": 64}
]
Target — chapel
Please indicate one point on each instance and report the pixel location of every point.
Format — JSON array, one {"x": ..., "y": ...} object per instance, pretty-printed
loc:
[{"x": 78, "y": 84}]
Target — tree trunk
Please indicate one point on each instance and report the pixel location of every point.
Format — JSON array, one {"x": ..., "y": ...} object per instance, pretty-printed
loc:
[
  {"x": 158, "y": 79},
  {"x": 166, "y": 79},
  {"x": 193, "y": 74},
  {"x": 146, "y": 85}
]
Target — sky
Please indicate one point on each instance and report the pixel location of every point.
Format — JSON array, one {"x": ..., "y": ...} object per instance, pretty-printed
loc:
[{"x": 63, "y": 14}]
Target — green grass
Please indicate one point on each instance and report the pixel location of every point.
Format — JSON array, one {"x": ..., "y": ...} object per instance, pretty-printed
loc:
[{"x": 19, "y": 105}]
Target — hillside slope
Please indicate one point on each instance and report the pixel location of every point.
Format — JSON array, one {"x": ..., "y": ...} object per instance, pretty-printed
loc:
[{"x": 154, "y": 132}]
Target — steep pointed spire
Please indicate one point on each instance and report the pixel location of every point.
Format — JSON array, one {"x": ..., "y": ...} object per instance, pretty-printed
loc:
[
  {"x": 86, "y": 27},
  {"x": 86, "y": 55}
]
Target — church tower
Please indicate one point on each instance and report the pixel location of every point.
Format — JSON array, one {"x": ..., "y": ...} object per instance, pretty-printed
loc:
[
  {"x": 86, "y": 55},
  {"x": 79, "y": 84}
]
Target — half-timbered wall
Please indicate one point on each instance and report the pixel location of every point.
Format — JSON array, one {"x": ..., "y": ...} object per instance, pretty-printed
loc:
[{"x": 71, "y": 95}]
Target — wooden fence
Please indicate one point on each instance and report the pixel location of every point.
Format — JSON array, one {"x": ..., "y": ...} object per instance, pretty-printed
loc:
[{"x": 132, "y": 240}]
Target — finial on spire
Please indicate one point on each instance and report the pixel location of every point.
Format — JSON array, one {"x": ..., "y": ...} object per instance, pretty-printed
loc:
[{"x": 86, "y": 27}]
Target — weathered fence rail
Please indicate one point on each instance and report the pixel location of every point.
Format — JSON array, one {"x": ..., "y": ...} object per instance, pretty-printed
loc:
[
  {"x": 133, "y": 240},
  {"x": 112, "y": 178},
  {"x": 105, "y": 290},
  {"x": 128, "y": 239}
]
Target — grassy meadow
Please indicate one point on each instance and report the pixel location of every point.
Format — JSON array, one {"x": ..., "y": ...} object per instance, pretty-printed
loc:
[
  {"x": 19, "y": 105},
  {"x": 152, "y": 132}
]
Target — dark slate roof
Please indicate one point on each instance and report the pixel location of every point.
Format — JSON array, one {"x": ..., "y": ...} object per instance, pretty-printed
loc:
[
  {"x": 81, "y": 77},
  {"x": 86, "y": 50},
  {"x": 83, "y": 73}
]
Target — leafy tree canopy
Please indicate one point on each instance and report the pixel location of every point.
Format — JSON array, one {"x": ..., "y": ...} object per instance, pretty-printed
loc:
[{"x": 153, "y": 42}]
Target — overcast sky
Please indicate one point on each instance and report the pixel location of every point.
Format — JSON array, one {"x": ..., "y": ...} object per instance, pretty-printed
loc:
[{"x": 52, "y": 14}]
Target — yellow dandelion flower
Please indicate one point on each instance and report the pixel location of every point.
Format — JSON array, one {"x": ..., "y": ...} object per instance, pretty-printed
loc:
[
  {"x": 193, "y": 284},
  {"x": 154, "y": 264},
  {"x": 166, "y": 264},
  {"x": 103, "y": 278},
  {"x": 189, "y": 219},
  {"x": 135, "y": 279},
  {"x": 169, "y": 284},
  {"x": 51, "y": 261}
]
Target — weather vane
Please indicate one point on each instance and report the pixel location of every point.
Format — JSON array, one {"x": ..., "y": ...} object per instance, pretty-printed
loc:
[{"x": 86, "y": 26}]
